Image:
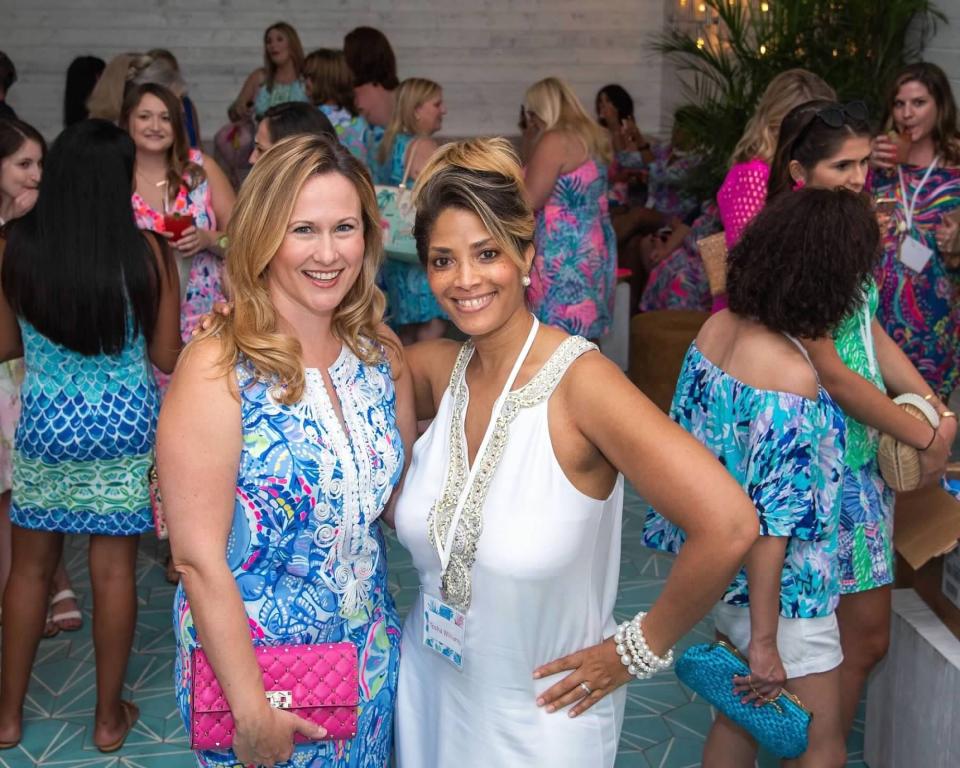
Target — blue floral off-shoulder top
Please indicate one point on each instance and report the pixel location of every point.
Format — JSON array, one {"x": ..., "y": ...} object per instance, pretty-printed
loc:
[{"x": 786, "y": 451}]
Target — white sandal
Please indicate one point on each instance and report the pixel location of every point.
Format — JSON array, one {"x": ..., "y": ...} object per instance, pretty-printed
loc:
[{"x": 57, "y": 618}]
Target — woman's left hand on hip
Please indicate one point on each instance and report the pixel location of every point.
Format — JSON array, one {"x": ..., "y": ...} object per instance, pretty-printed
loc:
[{"x": 594, "y": 672}]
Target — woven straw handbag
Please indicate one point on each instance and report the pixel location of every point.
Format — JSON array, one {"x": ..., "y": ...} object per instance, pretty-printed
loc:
[
  {"x": 899, "y": 462},
  {"x": 713, "y": 251}
]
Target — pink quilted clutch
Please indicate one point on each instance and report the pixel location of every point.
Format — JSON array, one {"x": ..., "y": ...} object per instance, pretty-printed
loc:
[{"x": 318, "y": 682}]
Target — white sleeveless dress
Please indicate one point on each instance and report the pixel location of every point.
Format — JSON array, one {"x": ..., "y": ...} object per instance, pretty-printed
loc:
[{"x": 544, "y": 584}]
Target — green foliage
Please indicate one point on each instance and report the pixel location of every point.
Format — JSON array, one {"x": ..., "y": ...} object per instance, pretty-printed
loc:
[{"x": 857, "y": 46}]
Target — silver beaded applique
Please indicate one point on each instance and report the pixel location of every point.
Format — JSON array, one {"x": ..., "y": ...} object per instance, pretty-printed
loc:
[{"x": 455, "y": 582}]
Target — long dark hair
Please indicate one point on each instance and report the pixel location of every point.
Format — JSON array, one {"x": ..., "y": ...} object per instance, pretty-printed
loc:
[
  {"x": 946, "y": 133},
  {"x": 805, "y": 136},
  {"x": 76, "y": 267},
  {"x": 82, "y": 75},
  {"x": 180, "y": 169}
]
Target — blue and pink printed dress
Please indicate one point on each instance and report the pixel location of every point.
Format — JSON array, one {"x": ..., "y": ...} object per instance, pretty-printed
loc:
[
  {"x": 574, "y": 272},
  {"x": 306, "y": 548}
]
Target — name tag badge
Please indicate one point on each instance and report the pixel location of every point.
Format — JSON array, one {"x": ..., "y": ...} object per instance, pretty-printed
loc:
[
  {"x": 444, "y": 629},
  {"x": 914, "y": 254}
]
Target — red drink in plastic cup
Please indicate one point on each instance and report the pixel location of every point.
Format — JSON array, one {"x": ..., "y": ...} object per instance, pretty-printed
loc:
[{"x": 176, "y": 223}]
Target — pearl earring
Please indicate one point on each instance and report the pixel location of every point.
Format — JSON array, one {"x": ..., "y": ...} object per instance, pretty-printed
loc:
[{"x": 525, "y": 281}]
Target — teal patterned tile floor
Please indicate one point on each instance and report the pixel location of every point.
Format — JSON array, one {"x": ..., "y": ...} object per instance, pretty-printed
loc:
[{"x": 664, "y": 727}]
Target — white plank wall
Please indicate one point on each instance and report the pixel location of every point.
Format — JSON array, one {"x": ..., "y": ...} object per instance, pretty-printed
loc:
[{"x": 484, "y": 52}]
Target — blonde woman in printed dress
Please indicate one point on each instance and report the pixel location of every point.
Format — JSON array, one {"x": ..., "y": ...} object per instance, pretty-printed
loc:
[
  {"x": 574, "y": 273},
  {"x": 287, "y": 426},
  {"x": 521, "y": 581}
]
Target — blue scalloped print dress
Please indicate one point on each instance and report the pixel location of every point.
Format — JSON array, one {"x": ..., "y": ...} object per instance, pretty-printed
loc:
[
  {"x": 84, "y": 442},
  {"x": 306, "y": 548}
]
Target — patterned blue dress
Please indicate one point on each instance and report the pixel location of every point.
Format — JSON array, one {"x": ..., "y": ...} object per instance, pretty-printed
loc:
[
  {"x": 306, "y": 547},
  {"x": 786, "y": 451},
  {"x": 84, "y": 442},
  {"x": 409, "y": 298},
  {"x": 352, "y": 130}
]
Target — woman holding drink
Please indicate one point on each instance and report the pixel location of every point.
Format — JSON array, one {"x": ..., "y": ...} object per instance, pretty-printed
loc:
[
  {"x": 181, "y": 194},
  {"x": 918, "y": 175}
]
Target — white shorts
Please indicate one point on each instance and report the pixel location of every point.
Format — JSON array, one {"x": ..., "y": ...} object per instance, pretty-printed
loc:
[{"x": 806, "y": 646}]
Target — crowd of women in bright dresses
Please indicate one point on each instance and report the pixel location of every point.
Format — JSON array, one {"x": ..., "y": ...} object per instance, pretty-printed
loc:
[{"x": 322, "y": 392}]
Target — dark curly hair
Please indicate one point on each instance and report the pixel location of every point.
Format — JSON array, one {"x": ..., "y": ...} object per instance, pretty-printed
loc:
[{"x": 800, "y": 266}]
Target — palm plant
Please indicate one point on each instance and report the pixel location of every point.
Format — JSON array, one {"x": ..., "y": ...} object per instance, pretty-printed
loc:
[{"x": 855, "y": 45}]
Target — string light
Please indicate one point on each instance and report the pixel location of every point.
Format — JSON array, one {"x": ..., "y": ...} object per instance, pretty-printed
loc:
[
  {"x": 764, "y": 7},
  {"x": 763, "y": 50},
  {"x": 701, "y": 42},
  {"x": 702, "y": 7}
]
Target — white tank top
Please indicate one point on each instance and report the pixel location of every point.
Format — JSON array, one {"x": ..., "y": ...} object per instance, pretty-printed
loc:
[{"x": 544, "y": 583}]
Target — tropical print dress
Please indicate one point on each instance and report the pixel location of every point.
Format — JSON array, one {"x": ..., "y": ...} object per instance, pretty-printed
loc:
[
  {"x": 305, "y": 546},
  {"x": 574, "y": 270},
  {"x": 352, "y": 130},
  {"x": 866, "y": 510},
  {"x": 921, "y": 311},
  {"x": 786, "y": 451},
  {"x": 201, "y": 277},
  {"x": 680, "y": 280},
  {"x": 409, "y": 298},
  {"x": 84, "y": 444}
]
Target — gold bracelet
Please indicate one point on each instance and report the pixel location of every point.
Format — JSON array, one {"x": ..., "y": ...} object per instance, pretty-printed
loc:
[
  {"x": 948, "y": 415},
  {"x": 930, "y": 398}
]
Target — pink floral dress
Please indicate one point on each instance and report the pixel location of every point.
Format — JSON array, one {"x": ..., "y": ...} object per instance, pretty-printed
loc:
[{"x": 204, "y": 285}]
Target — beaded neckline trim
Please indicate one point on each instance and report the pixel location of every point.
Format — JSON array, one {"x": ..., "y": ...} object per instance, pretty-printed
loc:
[{"x": 456, "y": 580}]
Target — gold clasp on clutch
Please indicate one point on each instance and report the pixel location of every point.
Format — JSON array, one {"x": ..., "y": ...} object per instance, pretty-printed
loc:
[{"x": 280, "y": 699}]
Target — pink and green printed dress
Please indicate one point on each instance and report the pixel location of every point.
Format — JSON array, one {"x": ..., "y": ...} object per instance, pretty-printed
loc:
[
  {"x": 574, "y": 271},
  {"x": 921, "y": 310},
  {"x": 205, "y": 279},
  {"x": 305, "y": 545}
]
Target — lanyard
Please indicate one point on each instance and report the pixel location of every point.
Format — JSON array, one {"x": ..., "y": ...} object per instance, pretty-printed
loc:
[
  {"x": 446, "y": 550},
  {"x": 866, "y": 335},
  {"x": 909, "y": 209}
]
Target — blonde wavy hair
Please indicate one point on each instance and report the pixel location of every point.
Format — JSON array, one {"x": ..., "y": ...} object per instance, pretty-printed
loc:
[
  {"x": 411, "y": 94},
  {"x": 787, "y": 90},
  {"x": 106, "y": 98},
  {"x": 482, "y": 176},
  {"x": 257, "y": 229},
  {"x": 555, "y": 103}
]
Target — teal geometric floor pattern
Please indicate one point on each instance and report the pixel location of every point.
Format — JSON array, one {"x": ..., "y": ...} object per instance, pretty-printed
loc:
[{"x": 664, "y": 727}]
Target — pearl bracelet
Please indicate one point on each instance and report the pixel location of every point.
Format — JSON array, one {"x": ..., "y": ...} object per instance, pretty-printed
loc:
[{"x": 634, "y": 652}]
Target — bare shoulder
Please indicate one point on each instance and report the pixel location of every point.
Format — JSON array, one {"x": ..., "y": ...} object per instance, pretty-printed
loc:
[
  {"x": 433, "y": 360},
  {"x": 786, "y": 369},
  {"x": 200, "y": 366}
]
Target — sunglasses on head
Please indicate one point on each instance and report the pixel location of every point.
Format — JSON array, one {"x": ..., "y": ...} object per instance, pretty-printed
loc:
[{"x": 836, "y": 115}]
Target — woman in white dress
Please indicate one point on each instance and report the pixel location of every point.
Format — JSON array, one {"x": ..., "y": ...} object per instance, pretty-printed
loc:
[{"x": 512, "y": 505}]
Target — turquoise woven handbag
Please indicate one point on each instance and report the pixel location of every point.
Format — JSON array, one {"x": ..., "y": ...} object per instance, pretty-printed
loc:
[{"x": 779, "y": 726}]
